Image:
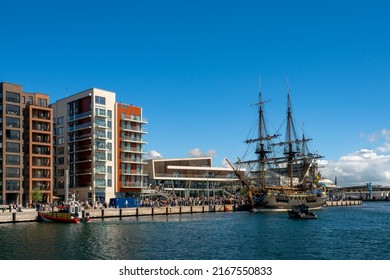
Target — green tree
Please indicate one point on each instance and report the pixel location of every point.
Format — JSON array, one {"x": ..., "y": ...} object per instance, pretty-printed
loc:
[{"x": 36, "y": 195}]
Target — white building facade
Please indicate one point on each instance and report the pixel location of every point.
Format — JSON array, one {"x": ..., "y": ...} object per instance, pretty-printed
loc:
[{"x": 85, "y": 150}]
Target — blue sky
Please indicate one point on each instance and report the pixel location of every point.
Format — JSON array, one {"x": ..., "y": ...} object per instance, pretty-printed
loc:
[{"x": 194, "y": 67}]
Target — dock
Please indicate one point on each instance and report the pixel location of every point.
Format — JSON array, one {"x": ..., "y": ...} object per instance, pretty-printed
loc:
[
  {"x": 331, "y": 203},
  {"x": 30, "y": 215}
]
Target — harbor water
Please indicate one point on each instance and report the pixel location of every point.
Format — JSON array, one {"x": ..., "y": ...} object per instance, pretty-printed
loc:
[{"x": 339, "y": 233}]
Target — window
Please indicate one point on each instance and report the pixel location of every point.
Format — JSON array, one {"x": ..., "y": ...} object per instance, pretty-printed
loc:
[
  {"x": 100, "y": 122},
  {"x": 100, "y": 144},
  {"x": 100, "y": 134},
  {"x": 12, "y": 172},
  {"x": 12, "y": 185},
  {"x": 109, "y": 157},
  {"x": 60, "y": 172},
  {"x": 12, "y": 147},
  {"x": 109, "y": 183},
  {"x": 12, "y": 134},
  {"x": 13, "y": 122},
  {"x": 100, "y": 100},
  {"x": 12, "y": 110},
  {"x": 109, "y": 146},
  {"x": 101, "y": 156},
  {"x": 12, "y": 97},
  {"x": 100, "y": 112},
  {"x": 109, "y": 113},
  {"x": 109, "y": 124},
  {"x": 30, "y": 99},
  {"x": 60, "y": 130},
  {"x": 109, "y": 169},
  {"x": 60, "y": 121},
  {"x": 60, "y": 184},
  {"x": 109, "y": 135},
  {"x": 60, "y": 160},
  {"x": 60, "y": 140},
  {"x": 100, "y": 169},
  {"x": 60, "y": 151},
  {"x": 23, "y": 99},
  {"x": 100, "y": 183},
  {"x": 12, "y": 160}
]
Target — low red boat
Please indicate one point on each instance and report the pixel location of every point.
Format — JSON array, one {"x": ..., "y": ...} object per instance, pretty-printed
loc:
[{"x": 65, "y": 214}]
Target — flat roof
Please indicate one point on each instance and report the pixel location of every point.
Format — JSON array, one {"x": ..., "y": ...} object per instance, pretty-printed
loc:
[{"x": 204, "y": 168}]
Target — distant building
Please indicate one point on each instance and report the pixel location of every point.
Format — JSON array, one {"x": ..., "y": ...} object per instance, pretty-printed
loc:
[
  {"x": 191, "y": 177},
  {"x": 25, "y": 144}
]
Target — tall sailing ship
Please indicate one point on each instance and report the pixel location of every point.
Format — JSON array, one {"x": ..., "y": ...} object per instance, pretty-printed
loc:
[{"x": 282, "y": 173}]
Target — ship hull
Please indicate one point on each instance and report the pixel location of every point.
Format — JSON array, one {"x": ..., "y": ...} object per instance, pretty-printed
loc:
[{"x": 276, "y": 202}]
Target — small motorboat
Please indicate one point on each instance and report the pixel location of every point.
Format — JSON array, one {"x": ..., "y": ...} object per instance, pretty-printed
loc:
[
  {"x": 65, "y": 214},
  {"x": 301, "y": 212}
]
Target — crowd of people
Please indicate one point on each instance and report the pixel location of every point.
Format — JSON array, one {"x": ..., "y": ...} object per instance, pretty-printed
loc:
[
  {"x": 190, "y": 201},
  {"x": 158, "y": 201}
]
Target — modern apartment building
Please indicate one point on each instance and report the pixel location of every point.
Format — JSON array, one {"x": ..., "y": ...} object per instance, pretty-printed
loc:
[
  {"x": 130, "y": 141},
  {"x": 26, "y": 149},
  {"x": 84, "y": 145},
  {"x": 98, "y": 146}
]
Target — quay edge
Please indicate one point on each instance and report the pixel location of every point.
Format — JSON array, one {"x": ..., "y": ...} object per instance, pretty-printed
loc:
[
  {"x": 331, "y": 203},
  {"x": 31, "y": 216}
]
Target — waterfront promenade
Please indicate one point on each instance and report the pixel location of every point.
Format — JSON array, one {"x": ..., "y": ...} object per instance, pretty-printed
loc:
[{"x": 30, "y": 215}]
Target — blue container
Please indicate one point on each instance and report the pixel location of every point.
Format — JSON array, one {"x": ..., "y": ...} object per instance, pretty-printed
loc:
[{"x": 124, "y": 202}]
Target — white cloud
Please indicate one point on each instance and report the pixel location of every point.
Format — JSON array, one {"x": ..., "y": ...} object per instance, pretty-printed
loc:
[
  {"x": 198, "y": 153},
  {"x": 359, "y": 168},
  {"x": 154, "y": 155}
]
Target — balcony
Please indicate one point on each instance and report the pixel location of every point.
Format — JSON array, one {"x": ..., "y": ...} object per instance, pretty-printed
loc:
[
  {"x": 80, "y": 159},
  {"x": 13, "y": 187},
  {"x": 79, "y": 148},
  {"x": 72, "y": 128},
  {"x": 133, "y": 150},
  {"x": 80, "y": 116},
  {"x": 100, "y": 171},
  {"x": 134, "y": 118},
  {"x": 131, "y": 128},
  {"x": 101, "y": 135},
  {"x": 132, "y": 160},
  {"x": 41, "y": 139},
  {"x": 129, "y": 172},
  {"x": 132, "y": 185},
  {"x": 79, "y": 137},
  {"x": 84, "y": 171},
  {"x": 133, "y": 139},
  {"x": 41, "y": 127},
  {"x": 40, "y": 151},
  {"x": 44, "y": 115}
]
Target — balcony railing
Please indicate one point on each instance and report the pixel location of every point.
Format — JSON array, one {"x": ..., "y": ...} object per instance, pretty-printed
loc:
[
  {"x": 80, "y": 171},
  {"x": 133, "y": 139},
  {"x": 79, "y": 116},
  {"x": 134, "y": 118},
  {"x": 133, "y": 185},
  {"x": 132, "y": 149},
  {"x": 79, "y": 126},
  {"x": 133, "y": 128},
  {"x": 79, "y": 148}
]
